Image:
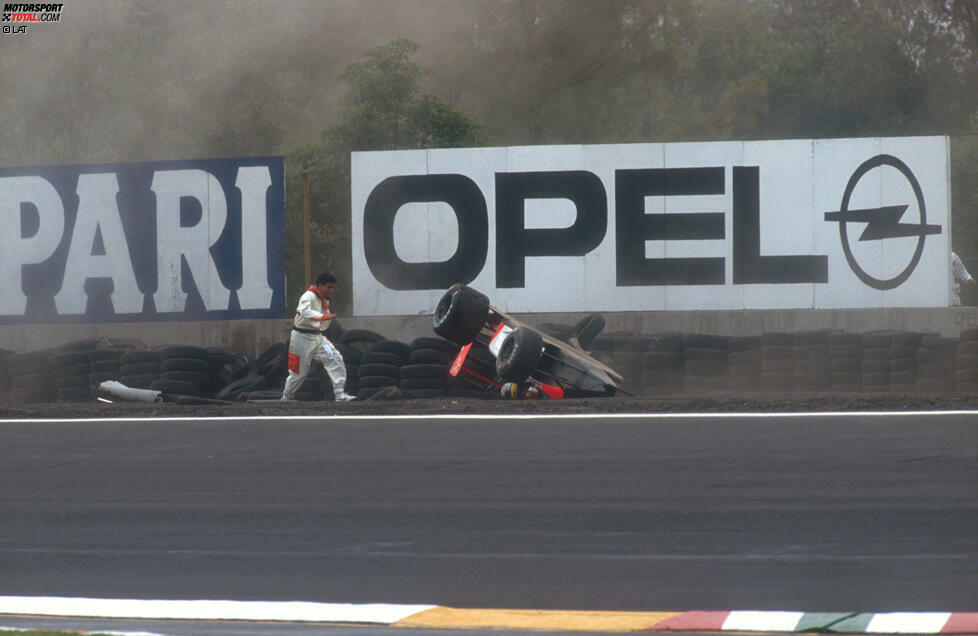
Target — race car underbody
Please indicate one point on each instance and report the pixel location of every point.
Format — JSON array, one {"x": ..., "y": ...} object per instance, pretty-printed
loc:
[{"x": 502, "y": 354}]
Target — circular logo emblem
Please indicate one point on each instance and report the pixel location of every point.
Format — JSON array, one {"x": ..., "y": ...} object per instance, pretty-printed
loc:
[{"x": 883, "y": 222}]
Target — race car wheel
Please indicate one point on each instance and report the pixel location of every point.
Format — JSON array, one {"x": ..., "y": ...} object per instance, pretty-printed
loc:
[
  {"x": 460, "y": 314},
  {"x": 519, "y": 355}
]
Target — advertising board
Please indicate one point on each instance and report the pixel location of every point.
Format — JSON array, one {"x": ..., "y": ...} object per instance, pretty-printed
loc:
[
  {"x": 837, "y": 223},
  {"x": 172, "y": 240}
]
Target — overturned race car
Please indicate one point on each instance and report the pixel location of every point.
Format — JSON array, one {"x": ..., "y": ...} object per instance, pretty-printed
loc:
[{"x": 528, "y": 363}]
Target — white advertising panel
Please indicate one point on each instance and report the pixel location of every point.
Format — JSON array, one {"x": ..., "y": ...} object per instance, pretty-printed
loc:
[{"x": 839, "y": 223}]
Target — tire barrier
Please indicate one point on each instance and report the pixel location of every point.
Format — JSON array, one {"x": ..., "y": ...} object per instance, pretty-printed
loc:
[{"x": 659, "y": 364}]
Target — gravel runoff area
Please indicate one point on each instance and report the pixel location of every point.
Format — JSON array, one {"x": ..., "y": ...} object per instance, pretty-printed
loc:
[{"x": 699, "y": 403}]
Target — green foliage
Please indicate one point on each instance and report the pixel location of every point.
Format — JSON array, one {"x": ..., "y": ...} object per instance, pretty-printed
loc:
[{"x": 384, "y": 109}]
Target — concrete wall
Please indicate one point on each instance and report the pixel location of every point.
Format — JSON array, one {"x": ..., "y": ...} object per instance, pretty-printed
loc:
[{"x": 254, "y": 336}]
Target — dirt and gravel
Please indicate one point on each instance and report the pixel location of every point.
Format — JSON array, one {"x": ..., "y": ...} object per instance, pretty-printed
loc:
[{"x": 698, "y": 403}]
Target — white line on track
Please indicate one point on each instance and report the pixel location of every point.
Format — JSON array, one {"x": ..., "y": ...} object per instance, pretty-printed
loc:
[
  {"x": 304, "y": 611},
  {"x": 508, "y": 416}
]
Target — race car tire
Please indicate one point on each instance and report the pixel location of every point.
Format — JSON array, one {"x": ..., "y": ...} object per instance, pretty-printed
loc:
[
  {"x": 519, "y": 355},
  {"x": 460, "y": 314}
]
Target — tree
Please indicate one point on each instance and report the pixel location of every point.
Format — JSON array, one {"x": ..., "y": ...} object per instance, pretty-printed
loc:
[{"x": 384, "y": 109}]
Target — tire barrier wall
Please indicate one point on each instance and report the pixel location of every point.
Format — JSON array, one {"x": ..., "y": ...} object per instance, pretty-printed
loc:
[
  {"x": 821, "y": 360},
  {"x": 656, "y": 364}
]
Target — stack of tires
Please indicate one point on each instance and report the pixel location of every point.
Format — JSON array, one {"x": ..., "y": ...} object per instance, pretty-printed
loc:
[
  {"x": 935, "y": 364},
  {"x": 875, "y": 367},
  {"x": 184, "y": 370},
  {"x": 777, "y": 361},
  {"x": 273, "y": 365},
  {"x": 71, "y": 370},
  {"x": 744, "y": 363},
  {"x": 4, "y": 375},
  {"x": 425, "y": 374},
  {"x": 705, "y": 362},
  {"x": 139, "y": 368},
  {"x": 104, "y": 365},
  {"x": 352, "y": 345},
  {"x": 226, "y": 366},
  {"x": 663, "y": 365},
  {"x": 813, "y": 363},
  {"x": 846, "y": 353},
  {"x": 380, "y": 367},
  {"x": 31, "y": 379},
  {"x": 627, "y": 359},
  {"x": 903, "y": 361},
  {"x": 966, "y": 362}
]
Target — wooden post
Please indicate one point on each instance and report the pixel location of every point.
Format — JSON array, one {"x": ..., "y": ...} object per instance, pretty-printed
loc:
[{"x": 305, "y": 226}]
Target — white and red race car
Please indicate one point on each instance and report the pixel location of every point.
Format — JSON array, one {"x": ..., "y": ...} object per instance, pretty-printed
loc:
[{"x": 528, "y": 363}]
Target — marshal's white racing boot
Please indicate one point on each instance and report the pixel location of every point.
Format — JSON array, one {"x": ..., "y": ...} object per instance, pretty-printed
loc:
[{"x": 339, "y": 395}]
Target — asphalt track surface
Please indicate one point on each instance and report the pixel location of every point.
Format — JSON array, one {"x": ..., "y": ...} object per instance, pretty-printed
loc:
[{"x": 858, "y": 512}]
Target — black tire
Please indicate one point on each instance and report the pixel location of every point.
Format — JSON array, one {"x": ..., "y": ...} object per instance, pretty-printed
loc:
[
  {"x": 34, "y": 394},
  {"x": 182, "y": 351},
  {"x": 176, "y": 387},
  {"x": 381, "y": 357},
  {"x": 244, "y": 385},
  {"x": 361, "y": 335},
  {"x": 80, "y": 393},
  {"x": 186, "y": 364},
  {"x": 26, "y": 382},
  {"x": 71, "y": 381},
  {"x": 374, "y": 381},
  {"x": 75, "y": 369},
  {"x": 424, "y": 371},
  {"x": 99, "y": 366},
  {"x": 704, "y": 353},
  {"x": 430, "y": 356},
  {"x": 194, "y": 377},
  {"x": 350, "y": 355},
  {"x": 98, "y": 377},
  {"x": 400, "y": 349},
  {"x": 70, "y": 359},
  {"x": 334, "y": 331},
  {"x": 519, "y": 356},
  {"x": 137, "y": 356},
  {"x": 461, "y": 314},
  {"x": 705, "y": 368},
  {"x": 412, "y": 384},
  {"x": 37, "y": 366},
  {"x": 378, "y": 368},
  {"x": 666, "y": 342},
  {"x": 435, "y": 343},
  {"x": 586, "y": 330},
  {"x": 140, "y": 381},
  {"x": 663, "y": 360},
  {"x": 140, "y": 368},
  {"x": 424, "y": 394}
]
